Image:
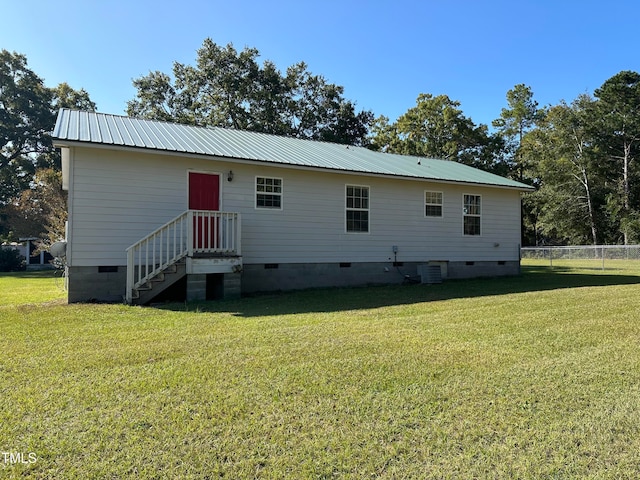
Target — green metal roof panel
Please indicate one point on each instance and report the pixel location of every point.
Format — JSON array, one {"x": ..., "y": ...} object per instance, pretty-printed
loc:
[{"x": 98, "y": 128}]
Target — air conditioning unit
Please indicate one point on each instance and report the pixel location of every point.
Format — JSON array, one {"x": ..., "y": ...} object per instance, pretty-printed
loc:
[{"x": 430, "y": 274}]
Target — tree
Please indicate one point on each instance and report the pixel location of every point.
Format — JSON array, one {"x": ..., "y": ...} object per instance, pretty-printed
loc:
[
  {"x": 570, "y": 194},
  {"x": 384, "y": 136},
  {"x": 31, "y": 197},
  {"x": 231, "y": 89},
  {"x": 11, "y": 260},
  {"x": 316, "y": 110},
  {"x": 617, "y": 129},
  {"x": 437, "y": 128},
  {"x": 63, "y": 96},
  {"x": 156, "y": 98},
  {"x": 66, "y": 97},
  {"x": 25, "y": 120},
  {"x": 219, "y": 89},
  {"x": 515, "y": 121},
  {"x": 41, "y": 211},
  {"x": 434, "y": 128}
]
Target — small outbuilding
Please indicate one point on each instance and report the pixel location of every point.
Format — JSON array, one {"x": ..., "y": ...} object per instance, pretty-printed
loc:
[{"x": 157, "y": 207}]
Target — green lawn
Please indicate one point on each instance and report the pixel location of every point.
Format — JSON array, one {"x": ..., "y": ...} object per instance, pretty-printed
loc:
[
  {"x": 530, "y": 377},
  {"x": 31, "y": 287}
]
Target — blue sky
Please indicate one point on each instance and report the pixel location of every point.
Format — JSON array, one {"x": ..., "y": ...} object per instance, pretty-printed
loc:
[{"x": 383, "y": 53}]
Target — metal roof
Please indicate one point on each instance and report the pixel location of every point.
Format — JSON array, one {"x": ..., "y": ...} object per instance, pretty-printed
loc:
[{"x": 73, "y": 126}]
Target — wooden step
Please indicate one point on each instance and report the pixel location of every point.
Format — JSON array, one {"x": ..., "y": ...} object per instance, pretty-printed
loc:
[{"x": 156, "y": 285}]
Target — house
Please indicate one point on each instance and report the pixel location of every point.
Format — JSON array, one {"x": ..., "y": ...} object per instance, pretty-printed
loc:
[
  {"x": 35, "y": 261},
  {"x": 210, "y": 212},
  {"x": 27, "y": 248}
]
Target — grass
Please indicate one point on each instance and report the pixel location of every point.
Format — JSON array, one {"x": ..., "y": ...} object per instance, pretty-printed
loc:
[
  {"x": 529, "y": 377},
  {"x": 31, "y": 287}
]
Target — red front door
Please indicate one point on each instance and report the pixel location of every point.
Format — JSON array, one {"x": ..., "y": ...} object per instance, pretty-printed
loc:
[
  {"x": 204, "y": 195},
  {"x": 204, "y": 191}
]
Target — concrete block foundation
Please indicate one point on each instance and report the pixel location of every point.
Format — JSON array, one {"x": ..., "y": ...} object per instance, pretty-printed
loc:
[
  {"x": 196, "y": 287},
  {"x": 96, "y": 284},
  {"x": 292, "y": 276},
  {"x": 107, "y": 284}
]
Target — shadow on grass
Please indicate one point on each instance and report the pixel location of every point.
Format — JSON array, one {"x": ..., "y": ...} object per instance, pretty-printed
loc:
[
  {"x": 357, "y": 298},
  {"x": 27, "y": 274}
]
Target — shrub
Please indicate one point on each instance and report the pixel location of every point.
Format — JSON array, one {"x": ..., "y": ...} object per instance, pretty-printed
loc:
[{"x": 11, "y": 260}]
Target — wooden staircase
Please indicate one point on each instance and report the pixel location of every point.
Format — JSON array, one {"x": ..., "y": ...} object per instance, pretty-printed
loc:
[
  {"x": 154, "y": 286},
  {"x": 196, "y": 241}
]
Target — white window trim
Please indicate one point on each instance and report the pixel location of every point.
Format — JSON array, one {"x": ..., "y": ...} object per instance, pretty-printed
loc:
[
  {"x": 255, "y": 194},
  {"x": 425, "y": 204},
  {"x": 472, "y": 215},
  {"x": 346, "y": 186}
]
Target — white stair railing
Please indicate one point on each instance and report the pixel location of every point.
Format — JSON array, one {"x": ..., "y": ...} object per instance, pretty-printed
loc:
[
  {"x": 215, "y": 232},
  {"x": 194, "y": 231}
]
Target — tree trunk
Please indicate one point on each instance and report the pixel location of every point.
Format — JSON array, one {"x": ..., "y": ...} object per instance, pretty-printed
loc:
[
  {"x": 626, "y": 160},
  {"x": 592, "y": 220}
]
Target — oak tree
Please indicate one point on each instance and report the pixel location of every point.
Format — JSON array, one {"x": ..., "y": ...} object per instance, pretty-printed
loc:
[
  {"x": 230, "y": 88},
  {"x": 31, "y": 197},
  {"x": 436, "y": 127}
]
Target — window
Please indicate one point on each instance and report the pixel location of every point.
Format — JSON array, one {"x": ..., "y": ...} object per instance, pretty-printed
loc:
[
  {"x": 357, "y": 209},
  {"x": 269, "y": 193},
  {"x": 432, "y": 204},
  {"x": 471, "y": 215}
]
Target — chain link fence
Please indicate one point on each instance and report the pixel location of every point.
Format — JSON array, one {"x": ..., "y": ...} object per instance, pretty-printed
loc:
[{"x": 590, "y": 256}]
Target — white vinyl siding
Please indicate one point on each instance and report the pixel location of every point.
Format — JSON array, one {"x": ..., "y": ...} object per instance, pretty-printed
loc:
[{"x": 117, "y": 197}]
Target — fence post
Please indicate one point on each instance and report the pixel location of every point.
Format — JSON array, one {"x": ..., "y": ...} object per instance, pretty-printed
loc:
[
  {"x": 602, "y": 257},
  {"x": 550, "y": 257}
]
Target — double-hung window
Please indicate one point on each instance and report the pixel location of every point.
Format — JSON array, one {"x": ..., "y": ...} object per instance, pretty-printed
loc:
[
  {"x": 432, "y": 204},
  {"x": 269, "y": 193},
  {"x": 357, "y": 209},
  {"x": 471, "y": 214}
]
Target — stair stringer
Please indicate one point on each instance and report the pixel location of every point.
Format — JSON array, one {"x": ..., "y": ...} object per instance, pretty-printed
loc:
[{"x": 145, "y": 293}]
